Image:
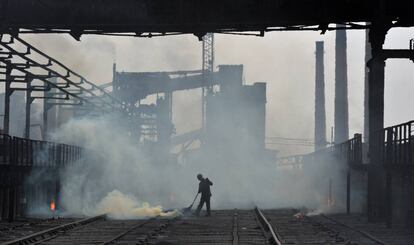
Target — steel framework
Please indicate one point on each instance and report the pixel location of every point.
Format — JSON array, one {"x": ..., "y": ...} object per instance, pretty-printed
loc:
[
  {"x": 23, "y": 64},
  {"x": 207, "y": 67}
]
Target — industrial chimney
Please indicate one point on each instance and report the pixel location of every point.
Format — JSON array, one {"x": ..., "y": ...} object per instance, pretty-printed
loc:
[
  {"x": 341, "y": 89},
  {"x": 320, "y": 116}
]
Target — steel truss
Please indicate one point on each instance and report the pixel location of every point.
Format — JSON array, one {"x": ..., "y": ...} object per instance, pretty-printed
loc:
[{"x": 22, "y": 64}]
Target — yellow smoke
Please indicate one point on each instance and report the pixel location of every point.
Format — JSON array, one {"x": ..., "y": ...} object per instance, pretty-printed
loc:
[{"x": 120, "y": 206}]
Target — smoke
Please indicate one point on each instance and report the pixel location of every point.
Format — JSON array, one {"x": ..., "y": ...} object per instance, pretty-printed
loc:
[
  {"x": 122, "y": 178},
  {"x": 120, "y": 206},
  {"x": 117, "y": 168}
]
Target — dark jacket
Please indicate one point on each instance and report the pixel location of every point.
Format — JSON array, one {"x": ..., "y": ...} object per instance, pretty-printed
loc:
[{"x": 204, "y": 187}]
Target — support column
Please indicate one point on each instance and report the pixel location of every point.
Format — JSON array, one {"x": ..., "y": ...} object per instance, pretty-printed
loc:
[
  {"x": 376, "y": 84},
  {"x": 7, "y": 95},
  {"x": 368, "y": 57},
  {"x": 376, "y": 79},
  {"x": 5, "y": 210},
  {"x": 12, "y": 202},
  {"x": 45, "y": 119},
  {"x": 29, "y": 101},
  {"x": 348, "y": 192}
]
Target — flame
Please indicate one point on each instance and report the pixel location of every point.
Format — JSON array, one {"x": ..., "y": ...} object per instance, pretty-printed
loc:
[{"x": 52, "y": 205}]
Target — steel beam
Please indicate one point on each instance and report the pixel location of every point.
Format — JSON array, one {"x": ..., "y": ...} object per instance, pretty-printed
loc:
[{"x": 149, "y": 17}]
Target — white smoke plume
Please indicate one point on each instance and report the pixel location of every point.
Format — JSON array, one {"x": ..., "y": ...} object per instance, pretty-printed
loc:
[{"x": 118, "y": 177}]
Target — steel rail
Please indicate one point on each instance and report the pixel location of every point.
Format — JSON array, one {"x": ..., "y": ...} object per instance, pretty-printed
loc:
[
  {"x": 273, "y": 237},
  {"x": 52, "y": 232},
  {"x": 141, "y": 224},
  {"x": 365, "y": 234}
]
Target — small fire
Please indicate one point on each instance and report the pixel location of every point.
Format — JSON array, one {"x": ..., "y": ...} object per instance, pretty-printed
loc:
[{"x": 52, "y": 205}]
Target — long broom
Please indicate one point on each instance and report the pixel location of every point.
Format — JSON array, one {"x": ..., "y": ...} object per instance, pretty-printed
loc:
[{"x": 186, "y": 210}]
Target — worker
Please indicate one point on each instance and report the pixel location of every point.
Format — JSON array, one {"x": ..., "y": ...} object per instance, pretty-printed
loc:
[{"x": 204, "y": 189}]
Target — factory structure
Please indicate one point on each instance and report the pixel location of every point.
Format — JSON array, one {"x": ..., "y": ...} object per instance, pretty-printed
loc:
[
  {"x": 243, "y": 128},
  {"x": 369, "y": 174}
]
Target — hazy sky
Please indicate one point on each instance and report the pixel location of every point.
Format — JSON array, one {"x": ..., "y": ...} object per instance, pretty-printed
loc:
[{"x": 285, "y": 60}]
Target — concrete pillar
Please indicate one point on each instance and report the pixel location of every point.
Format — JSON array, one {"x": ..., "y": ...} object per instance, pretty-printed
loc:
[
  {"x": 320, "y": 115},
  {"x": 341, "y": 89}
]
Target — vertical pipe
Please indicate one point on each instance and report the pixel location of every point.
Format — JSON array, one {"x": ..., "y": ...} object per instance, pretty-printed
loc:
[
  {"x": 320, "y": 116},
  {"x": 341, "y": 88}
]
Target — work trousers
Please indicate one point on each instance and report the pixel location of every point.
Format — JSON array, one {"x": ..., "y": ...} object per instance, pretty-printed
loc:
[{"x": 204, "y": 199}]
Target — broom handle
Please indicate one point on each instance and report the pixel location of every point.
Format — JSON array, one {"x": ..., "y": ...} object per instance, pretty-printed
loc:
[{"x": 194, "y": 199}]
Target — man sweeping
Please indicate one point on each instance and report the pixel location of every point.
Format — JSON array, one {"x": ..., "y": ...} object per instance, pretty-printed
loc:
[{"x": 204, "y": 189}]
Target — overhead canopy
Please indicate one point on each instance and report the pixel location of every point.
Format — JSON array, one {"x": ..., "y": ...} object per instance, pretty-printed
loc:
[{"x": 193, "y": 16}]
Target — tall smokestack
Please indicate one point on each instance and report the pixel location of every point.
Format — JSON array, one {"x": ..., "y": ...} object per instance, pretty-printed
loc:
[
  {"x": 368, "y": 56},
  {"x": 341, "y": 89},
  {"x": 320, "y": 115}
]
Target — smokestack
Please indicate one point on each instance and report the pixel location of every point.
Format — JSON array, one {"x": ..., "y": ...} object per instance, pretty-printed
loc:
[
  {"x": 341, "y": 89},
  {"x": 320, "y": 116},
  {"x": 366, "y": 90}
]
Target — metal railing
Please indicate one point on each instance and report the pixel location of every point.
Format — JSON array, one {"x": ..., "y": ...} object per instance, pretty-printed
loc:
[
  {"x": 394, "y": 146},
  {"x": 348, "y": 152},
  {"x": 35, "y": 153}
]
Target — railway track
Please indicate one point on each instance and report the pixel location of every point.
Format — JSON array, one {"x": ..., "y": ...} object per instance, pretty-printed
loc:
[
  {"x": 296, "y": 228},
  {"x": 26, "y": 227},
  {"x": 281, "y": 226},
  {"x": 47, "y": 234},
  {"x": 343, "y": 232}
]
